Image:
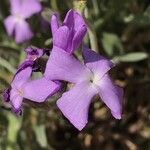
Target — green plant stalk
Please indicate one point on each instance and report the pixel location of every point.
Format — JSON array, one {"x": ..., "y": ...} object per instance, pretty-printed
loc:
[
  {"x": 79, "y": 5},
  {"x": 91, "y": 32},
  {"x": 4, "y": 63},
  {"x": 93, "y": 38},
  {"x": 54, "y": 5},
  {"x": 22, "y": 56}
]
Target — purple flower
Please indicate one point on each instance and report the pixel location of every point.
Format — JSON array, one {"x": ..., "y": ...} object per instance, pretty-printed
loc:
[
  {"x": 16, "y": 24},
  {"x": 69, "y": 35},
  {"x": 89, "y": 79},
  {"x": 34, "y": 53},
  {"x": 23, "y": 87}
]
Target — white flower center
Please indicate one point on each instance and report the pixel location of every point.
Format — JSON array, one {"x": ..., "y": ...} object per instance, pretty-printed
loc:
[
  {"x": 94, "y": 79},
  {"x": 18, "y": 18}
]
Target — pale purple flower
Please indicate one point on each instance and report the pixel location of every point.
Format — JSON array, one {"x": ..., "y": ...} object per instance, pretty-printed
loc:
[
  {"x": 89, "y": 79},
  {"x": 16, "y": 24},
  {"x": 34, "y": 53},
  {"x": 23, "y": 87},
  {"x": 69, "y": 35}
]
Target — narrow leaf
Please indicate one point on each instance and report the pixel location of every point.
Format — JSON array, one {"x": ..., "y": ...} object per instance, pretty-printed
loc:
[{"x": 131, "y": 57}]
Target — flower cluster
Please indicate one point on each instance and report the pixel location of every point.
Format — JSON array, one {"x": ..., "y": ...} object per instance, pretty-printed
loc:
[{"x": 88, "y": 79}]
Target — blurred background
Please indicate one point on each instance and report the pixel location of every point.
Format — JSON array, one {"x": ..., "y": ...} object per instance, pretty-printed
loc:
[{"x": 120, "y": 30}]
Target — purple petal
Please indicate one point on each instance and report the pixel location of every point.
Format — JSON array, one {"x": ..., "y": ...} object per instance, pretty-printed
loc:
[
  {"x": 98, "y": 64},
  {"x": 69, "y": 19},
  {"x": 9, "y": 23},
  {"x": 22, "y": 32},
  {"x": 6, "y": 95},
  {"x": 61, "y": 37},
  {"x": 54, "y": 23},
  {"x": 77, "y": 39},
  {"x": 70, "y": 35},
  {"x": 15, "y": 6},
  {"x": 34, "y": 53},
  {"x": 111, "y": 95},
  {"x": 74, "y": 20},
  {"x": 24, "y": 65},
  {"x": 69, "y": 49},
  {"x": 18, "y": 27},
  {"x": 39, "y": 90},
  {"x": 23, "y": 74},
  {"x": 15, "y": 100},
  {"x": 77, "y": 27},
  {"x": 30, "y": 7},
  {"x": 63, "y": 66},
  {"x": 75, "y": 103},
  {"x": 18, "y": 112}
]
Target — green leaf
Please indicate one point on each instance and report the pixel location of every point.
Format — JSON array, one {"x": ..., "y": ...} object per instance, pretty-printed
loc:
[
  {"x": 147, "y": 11},
  {"x": 10, "y": 45},
  {"x": 7, "y": 65},
  {"x": 13, "y": 129},
  {"x": 46, "y": 14},
  {"x": 48, "y": 42},
  {"x": 131, "y": 57},
  {"x": 41, "y": 135},
  {"x": 14, "y": 126},
  {"x": 112, "y": 44},
  {"x": 142, "y": 19}
]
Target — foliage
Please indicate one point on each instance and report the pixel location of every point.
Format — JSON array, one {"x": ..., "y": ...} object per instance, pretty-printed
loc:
[{"x": 117, "y": 29}]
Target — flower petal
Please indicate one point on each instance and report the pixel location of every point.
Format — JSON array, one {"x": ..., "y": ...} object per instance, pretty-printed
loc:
[
  {"x": 69, "y": 19},
  {"x": 39, "y": 90},
  {"x": 77, "y": 39},
  {"x": 77, "y": 28},
  {"x": 9, "y": 23},
  {"x": 111, "y": 95},
  {"x": 54, "y": 23},
  {"x": 63, "y": 66},
  {"x": 98, "y": 64},
  {"x": 6, "y": 95},
  {"x": 75, "y": 103},
  {"x": 34, "y": 53},
  {"x": 23, "y": 74},
  {"x": 22, "y": 32},
  {"x": 30, "y": 7},
  {"x": 60, "y": 37},
  {"x": 74, "y": 20},
  {"x": 15, "y": 6},
  {"x": 15, "y": 100}
]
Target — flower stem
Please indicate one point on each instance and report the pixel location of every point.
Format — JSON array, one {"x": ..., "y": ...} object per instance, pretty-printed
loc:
[{"x": 79, "y": 5}]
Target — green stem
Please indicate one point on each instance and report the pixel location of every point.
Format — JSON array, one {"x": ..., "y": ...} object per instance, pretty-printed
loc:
[
  {"x": 22, "y": 56},
  {"x": 7, "y": 65},
  {"x": 93, "y": 38},
  {"x": 79, "y": 5},
  {"x": 91, "y": 32}
]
